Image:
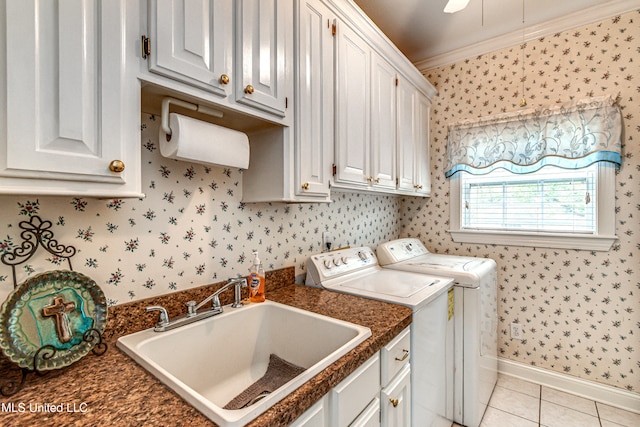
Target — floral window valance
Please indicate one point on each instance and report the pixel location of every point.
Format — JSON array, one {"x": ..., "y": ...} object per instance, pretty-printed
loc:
[{"x": 572, "y": 135}]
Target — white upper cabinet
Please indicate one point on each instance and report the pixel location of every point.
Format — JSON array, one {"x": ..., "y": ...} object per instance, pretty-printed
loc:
[
  {"x": 71, "y": 110},
  {"x": 407, "y": 130},
  {"x": 232, "y": 53},
  {"x": 261, "y": 44},
  {"x": 353, "y": 109},
  {"x": 382, "y": 112},
  {"x": 413, "y": 139},
  {"x": 383, "y": 123},
  {"x": 314, "y": 124},
  {"x": 422, "y": 165},
  {"x": 192, "y": 41}
]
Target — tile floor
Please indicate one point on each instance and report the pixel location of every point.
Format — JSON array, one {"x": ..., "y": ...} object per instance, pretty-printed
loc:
[{"x": 518, "y": 403}]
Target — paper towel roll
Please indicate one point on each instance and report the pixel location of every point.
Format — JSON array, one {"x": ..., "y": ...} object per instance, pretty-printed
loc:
[{"x": 201, "y": 142}]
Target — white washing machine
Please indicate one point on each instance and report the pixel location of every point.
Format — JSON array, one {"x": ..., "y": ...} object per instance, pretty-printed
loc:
[
  {"x": 475, "y": 318},
  {"x": 356, "y": 271}
]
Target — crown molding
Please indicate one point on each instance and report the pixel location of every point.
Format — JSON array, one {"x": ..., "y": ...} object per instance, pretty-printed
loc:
[{"x": 563, "y": 23}]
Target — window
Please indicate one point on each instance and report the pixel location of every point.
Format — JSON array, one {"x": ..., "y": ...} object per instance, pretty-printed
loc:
[{"x": 553, "y": 207}]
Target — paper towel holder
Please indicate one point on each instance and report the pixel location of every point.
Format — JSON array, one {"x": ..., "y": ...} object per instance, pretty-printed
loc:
[{"x": 184, "y": 104}]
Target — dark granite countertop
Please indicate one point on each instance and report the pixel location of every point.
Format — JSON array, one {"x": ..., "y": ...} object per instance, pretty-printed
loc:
[{"x": 112, "y": 389}]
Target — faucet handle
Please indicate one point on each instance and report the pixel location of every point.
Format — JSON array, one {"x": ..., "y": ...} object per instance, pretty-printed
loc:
[
  {"x": 216, "y": 303},
  {"x": 191, "y": 308},
  {"x": 163, "y": 319}
]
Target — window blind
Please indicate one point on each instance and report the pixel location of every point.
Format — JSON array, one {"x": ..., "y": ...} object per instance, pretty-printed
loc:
[{"x": 551, "y": 200}]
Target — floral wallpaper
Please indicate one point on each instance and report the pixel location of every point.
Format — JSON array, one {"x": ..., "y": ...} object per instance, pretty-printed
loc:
[
  {"x": 580, "y": 309},
  {"x": 191, "y": 229}
]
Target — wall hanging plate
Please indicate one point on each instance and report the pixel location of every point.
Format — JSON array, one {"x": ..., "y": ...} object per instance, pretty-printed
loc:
[{"x": 53, "y": 309}]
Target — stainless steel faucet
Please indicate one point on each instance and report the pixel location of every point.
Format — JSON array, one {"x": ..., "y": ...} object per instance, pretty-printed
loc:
[{"x": 165, "y": 324}]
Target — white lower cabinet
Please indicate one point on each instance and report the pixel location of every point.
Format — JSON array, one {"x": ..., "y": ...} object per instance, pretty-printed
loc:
[
  {"x": 316, "y": 416},
  {"x": 377, "y": 394},
  {"x": 370, "y": 417},
  {"x": 396, "y": 400},
  {"x": 349, "y": 398}
]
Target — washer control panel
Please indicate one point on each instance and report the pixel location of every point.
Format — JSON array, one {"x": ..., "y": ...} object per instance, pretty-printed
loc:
[
  {"x": 400, "y": 250},
  {"x": 327, "y": 265}
]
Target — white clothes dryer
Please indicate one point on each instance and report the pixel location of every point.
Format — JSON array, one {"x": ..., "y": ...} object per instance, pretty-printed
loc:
[
  {"x": 475, "y": 319},
  {"x": 356, "y": 271}
]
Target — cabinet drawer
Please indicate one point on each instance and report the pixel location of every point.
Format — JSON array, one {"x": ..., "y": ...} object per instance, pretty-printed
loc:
[
  {"x": 395, "y": 356},
  {"x": 353, "y": 394}
]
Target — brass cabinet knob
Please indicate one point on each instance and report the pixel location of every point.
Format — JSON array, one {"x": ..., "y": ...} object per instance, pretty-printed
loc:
[
  {"x": 248, "y": 90},
  {"x": 116, "y": 166},
  {"x": 377, "y": 180},
  {"x": 369, "y": 178},
  {"x": 417, "y": 187},
  {"x": 305, "y": 186},
  {"x": 224, "y": 79},
  {"x": 394, "y": 402}
]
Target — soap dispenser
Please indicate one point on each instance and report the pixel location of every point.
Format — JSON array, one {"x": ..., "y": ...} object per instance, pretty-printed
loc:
[{"x": 256, "y": 280}]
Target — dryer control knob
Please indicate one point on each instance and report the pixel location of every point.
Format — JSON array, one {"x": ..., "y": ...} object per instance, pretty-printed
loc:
[
  {"x": 344, "y": 260},
  {"x": 327, "y": 264},
  {"x": 336, "y": 262},
  {"x": 363, "y": 256}
]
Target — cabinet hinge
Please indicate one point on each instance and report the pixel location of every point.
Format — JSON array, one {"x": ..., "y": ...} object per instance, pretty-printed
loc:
[
  {"x": 397, "y": 181},
  {"x": 333, "y": 29},
  {"x": 146, "y": 47},
  {"x": 286, "y": 102},
  {"x": 396, "y": 81},
  {"x": 333, "y": 169}
]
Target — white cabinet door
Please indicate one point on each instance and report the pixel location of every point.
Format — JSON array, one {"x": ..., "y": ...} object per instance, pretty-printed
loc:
[
  {"x": 314, "y": 99},
  {"x": 349, "y": 398},
  {"x": 396, "y": 400},
  {"x": 413, "y": 139},
  {"x": 383, "y": 123},
  {"x": 192, "y": 41},
  {"x": 370, "y": 417},
  {"x": 353, "y": 83},
  {"x": 71, "y": 107},
  {"x": 316, "y": 416},
  {"x": 406, "y": 133},
  {"x": 261, "y": 39},
  {"x": 422, "y": 166}
]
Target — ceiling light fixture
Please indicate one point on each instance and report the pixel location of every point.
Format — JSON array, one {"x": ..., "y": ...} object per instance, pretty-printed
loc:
[{"x": 455, "y": 6}]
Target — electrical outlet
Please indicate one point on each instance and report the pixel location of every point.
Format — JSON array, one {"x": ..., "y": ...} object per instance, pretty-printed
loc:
[
  {"x": 516, "y": 331},
  {"x": 327, "y": 241}
]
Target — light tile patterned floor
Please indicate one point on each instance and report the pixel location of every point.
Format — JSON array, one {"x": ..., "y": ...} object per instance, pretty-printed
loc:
[{"x": 518, "y": 403}]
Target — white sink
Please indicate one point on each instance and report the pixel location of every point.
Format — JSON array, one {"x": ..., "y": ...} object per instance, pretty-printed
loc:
[{"x": 211, "y": 361}]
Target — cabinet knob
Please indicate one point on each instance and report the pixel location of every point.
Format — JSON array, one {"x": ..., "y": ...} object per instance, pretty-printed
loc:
[
  {"x": 116, "y": 166},
  {"x": 417, "y": 187},
  {"x": 369, "y": 178},
  {"x": 305, "y": 186},
  {"x": 377, "y": 180},
  {"x": 248, "y": 90},
  {"x": 224, "y": 79},
  {"x": 394, "y": 402}
]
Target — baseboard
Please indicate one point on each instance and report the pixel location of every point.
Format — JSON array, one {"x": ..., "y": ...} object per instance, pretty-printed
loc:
[{"x": 588, "y": 389}]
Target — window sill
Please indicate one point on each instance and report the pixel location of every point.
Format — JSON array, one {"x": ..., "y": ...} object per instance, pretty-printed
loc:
[{"x": 541, "y": 240}]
